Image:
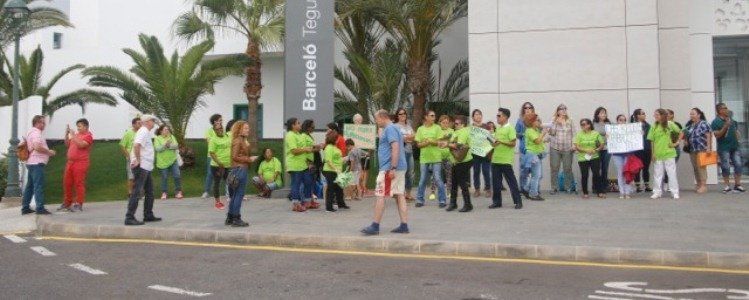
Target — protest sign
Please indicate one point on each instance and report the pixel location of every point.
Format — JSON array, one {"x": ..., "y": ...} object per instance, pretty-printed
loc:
[
  {"x": 364, "y": 136},
  {"x": 481, "y": 141},
  {"x": 624, "y": 138}
]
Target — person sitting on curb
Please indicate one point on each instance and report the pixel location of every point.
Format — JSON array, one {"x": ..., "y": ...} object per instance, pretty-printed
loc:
[{"x": 268, "y": 177}]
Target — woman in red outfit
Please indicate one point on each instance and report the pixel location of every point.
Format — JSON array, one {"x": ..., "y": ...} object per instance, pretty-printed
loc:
[{"x": 79, "y": 149}]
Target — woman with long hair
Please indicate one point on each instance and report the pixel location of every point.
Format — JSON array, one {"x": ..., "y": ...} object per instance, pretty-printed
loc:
[
  {"x": 698, "y": 138},
  {"x": 588, "y": 144},
  {"x": 401, "y": 120},
  {"x": 625, "y": 190},
  {"x": 312, "y": 186},
  {"x": 167, "y": 150},
  {"x": 296, "y": 162},
  {"x": 526, "y": 108},
  {"x": 332, "y": 168},
  {"x": 219, "y": 148},
  {"x": 644, "y": 155},
  {"x": 665, "y": 137},
  {"x": 240, "y": 164},
  {"x": 561, "y": 151},
  {"x": 446, "y": 124},
  {"x": 600, "y": 120},
  {"x": 481, "y": 164},
  {"x": 534, "y": 146}
]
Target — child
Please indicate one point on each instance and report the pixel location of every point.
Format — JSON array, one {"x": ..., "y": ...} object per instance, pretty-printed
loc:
[
  {"x": 332, "y": 167},
  {"x": 268, "y": 177},
  {"x": 353, "y": 159}
]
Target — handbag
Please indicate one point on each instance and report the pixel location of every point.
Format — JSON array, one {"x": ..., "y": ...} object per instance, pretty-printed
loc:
[
  {"x": 232, "y": 180},
  {"x": 459, "y": 153},
  {"x": 707, "y": 158}
]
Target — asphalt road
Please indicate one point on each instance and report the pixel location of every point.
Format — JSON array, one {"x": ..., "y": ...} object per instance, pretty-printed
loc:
[{"x": 151, "y": 271}]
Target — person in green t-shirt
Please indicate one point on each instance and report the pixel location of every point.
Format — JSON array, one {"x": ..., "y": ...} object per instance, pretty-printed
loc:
[
  {"x": 728, "y": 136},
  {"x": 534, "y": 152},
  {"x": 126, "y": 146},
  {"x": 504, "y": 154},
  {"x": 219, "y": 148},
  {"x": 446, "y": 124},
  {"x": 167, "y": 152},
  {"x": 269, "y": 174},
  {"x": 588, "y": 144},
  {"x": 216, "y": 122},
  {"x": 461, "y": 171},
  {"x": 333, "y": 167},
  {"x": 665, "y": 137},
  {"x": 429, "y": 140},
  {"x": 296, "y": 155}
]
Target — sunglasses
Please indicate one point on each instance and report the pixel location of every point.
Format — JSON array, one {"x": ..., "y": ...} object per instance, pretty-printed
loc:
[
  {"x": 528, "y": 107},
  {"x": 431, "y": 116},
  {"x": 562, "y": 108},
  {"x": 402, "y": 114}
]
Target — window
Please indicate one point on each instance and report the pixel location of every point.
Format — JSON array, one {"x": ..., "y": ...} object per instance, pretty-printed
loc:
[
  {"x": 242, "y": 112},
  {"x": 57, "y": 40}
]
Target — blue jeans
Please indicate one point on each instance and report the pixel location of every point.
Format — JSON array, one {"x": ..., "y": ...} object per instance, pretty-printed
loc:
[
  {"x": 436, "y": 170},
  {"x": 237, "y": 194},
  {"x": 174, "y": 169},
  {"x": 409, "y": 171},
  {"x": 535, "y": 169},
  {"x": 208, "y": 177},
  {"x": 34, "y": 187},
  {"x": 482, "y": 165},
  {"x": 728, "y": 159},
  {"x": 524, "y": 171},
  {"x": 297, "y": 180},
  {"x": 309, "y": 187}
]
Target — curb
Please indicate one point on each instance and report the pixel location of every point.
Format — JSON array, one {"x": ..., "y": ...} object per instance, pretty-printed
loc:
[{"x": 605, "y": 255}]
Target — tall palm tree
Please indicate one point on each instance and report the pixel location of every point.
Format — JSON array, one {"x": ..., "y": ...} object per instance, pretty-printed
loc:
[
  {"x": 416, "y": 24},
  {"x": 41, "y": 17},
  {"x": 30, "y": 74},
  {"x": 449, "y": 96},
  {"x": 170, "y": 88},
  {"x": 261, "y": 22}
]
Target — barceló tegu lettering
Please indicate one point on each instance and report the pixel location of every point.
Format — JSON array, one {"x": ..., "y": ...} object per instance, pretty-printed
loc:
[{"x": 310, "y": 87}]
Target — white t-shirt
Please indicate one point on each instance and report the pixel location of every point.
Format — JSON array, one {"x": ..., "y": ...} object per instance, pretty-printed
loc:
[{"x": 145, "y": 139}]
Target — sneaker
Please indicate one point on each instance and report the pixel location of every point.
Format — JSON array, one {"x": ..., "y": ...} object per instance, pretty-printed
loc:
[
  {"x": 655, "y": 196},
  {"x": 163, "y": 196},
  {"x": 204, "y": 196},
  {"x": 76, "y": 207},
  {"x": 727, "y": 190},
  {"x": 739, "y": 189},
  {"x": 133, "y": 222},
  {"x": 332, "y": 210},
  {"x": 179, "y": 195},
  {"x": 43, "y": 212},
  {"x": 400, "y": 229},
  {"x": 676, "y": 196},
  {"x": 536, "y": 198},
  {"x": 63, "y": 208},
  {"x": 219, "y": 205},
  {"x": 419, "y": 204},
  {"x": 443, "y": 205},
  {"x": 369, "y": 230},
  {"x": 27, "y": 211}
]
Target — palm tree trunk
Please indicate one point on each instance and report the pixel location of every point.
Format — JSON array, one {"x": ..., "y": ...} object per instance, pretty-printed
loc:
[
  {"x": 418, "y": 82},
  {"x": 252, "y": 88}
]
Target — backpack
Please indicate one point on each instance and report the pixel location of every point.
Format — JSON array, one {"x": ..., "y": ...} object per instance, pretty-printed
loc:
[{"x": 23, "y": 151}]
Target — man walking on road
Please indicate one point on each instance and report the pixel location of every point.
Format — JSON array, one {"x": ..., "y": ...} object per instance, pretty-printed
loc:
[
  {"x": 141, "y": 162},
  {"x": 391, "y": 180},
  {"x": 39, "y": 155}
]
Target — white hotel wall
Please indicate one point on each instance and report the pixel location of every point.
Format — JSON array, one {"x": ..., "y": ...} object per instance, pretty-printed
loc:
[{"x": 620, "y": 54}]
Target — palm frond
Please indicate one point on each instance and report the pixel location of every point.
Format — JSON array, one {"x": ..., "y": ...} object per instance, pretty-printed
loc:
[{"x": 81, "y": 97}]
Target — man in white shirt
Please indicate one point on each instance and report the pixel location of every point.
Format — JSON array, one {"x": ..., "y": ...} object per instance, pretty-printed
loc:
[{"x": 141, "y": 162}]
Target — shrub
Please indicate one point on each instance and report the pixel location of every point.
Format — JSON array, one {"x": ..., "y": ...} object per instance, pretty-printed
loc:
[{"x": 3, "y": 175}]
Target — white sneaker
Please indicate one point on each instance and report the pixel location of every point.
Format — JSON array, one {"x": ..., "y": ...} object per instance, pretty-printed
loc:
[
  {"x": 676, "y": 196},
  {"x": 621, "y": 196},
  {"x": 727, "y": 190},
  {"x": 204, "y": 196},
  {"x": 655, "y": 196}
]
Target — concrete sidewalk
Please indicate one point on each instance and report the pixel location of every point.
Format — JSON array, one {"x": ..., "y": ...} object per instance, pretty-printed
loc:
[{"x": 708, "y": 231}]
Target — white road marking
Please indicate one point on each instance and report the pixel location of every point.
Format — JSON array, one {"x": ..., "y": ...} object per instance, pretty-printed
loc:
[
  {"x": 43, "y": 251},
  {"x": 178, "y": 291},
  {"x": 14, "y": 238},
  {"x": 734, "y": 294},
  {"x": 87, "y": 269},
  {"x": 633, "y": 295},
  {"x": 606, "y": 298}
]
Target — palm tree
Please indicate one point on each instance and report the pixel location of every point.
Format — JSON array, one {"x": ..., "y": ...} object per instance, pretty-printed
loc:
[
  {"x": 30, "y": 73},
  {"x": 416, "y": 24},
  {"x": 40, "y": 17},
  {"x": 261, "y": 22},
  {"x": 170, "y": 88},
  {"x": 449, "y": 97}
]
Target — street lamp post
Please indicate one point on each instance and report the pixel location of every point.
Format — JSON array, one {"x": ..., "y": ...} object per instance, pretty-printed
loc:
[{"x": 18, "y": 12}]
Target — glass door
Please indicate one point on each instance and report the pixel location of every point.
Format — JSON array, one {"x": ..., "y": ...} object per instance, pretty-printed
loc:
[{"x": 731, "y": 65}]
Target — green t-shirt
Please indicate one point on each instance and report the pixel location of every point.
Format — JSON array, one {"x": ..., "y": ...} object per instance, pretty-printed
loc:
[
  {"x": 127, "y": 140},
  {"x": 308, "y": 141},
  {"x": 168, "y": 155},
  {"x": 504, "y": 154},
  {"x": 430, "y": 154},
  {"x": 661, "y": 139},
  {"x": 333, "y": 156},
  {"x": 295, "y": 163},
  {"x": 221, "y": 146},
  {"x": 447, "y": 134},
  {"x": 463, "y": 137},
  {"x": 208, "y": 135},
  {"x": 531, "y": 134},
  {"x": 588, "y": 141},
  {"x": 268, "y": 170},
  {"x": 728, "y": 142}
]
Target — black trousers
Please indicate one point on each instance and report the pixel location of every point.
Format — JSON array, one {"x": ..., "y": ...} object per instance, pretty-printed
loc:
[
  {"x": 334, "y": 192},
  {"x": 218, "y": 175},
  {"x": 645, "y": 157},
  {"x": 461, "y": 177},
  {"x": 504, "y": 170},
  {"x": 585, "y": 168},
  {"x": 142, "y": 183}
]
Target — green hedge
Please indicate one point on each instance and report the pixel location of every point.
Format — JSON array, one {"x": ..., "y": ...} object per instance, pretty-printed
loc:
[{"x": 3, "y": 175}]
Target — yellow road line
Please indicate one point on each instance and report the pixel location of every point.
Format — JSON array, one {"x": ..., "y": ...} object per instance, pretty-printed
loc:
[
  {"x": 405, "y": 255},
  {"x": 15, "y": 232}
]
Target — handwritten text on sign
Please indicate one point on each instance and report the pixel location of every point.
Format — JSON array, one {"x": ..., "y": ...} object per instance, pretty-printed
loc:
[
  {"x": 624, "y": 138},
  {"x": 364, "y": 136},
  {"x": 481, "y": 141}
]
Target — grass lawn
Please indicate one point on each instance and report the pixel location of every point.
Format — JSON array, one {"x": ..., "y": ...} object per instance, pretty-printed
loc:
[{"x": 107, "y": 180}]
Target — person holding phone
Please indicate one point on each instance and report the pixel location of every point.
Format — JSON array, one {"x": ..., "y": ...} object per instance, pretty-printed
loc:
[
  {"x": 79, "y": 144},
  {"x": 240, "y": 164},
  {"x": 727, "y": 135}
]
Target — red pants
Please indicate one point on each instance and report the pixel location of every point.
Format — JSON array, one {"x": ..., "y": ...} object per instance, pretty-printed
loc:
[{"x": 75, "y": 178}]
